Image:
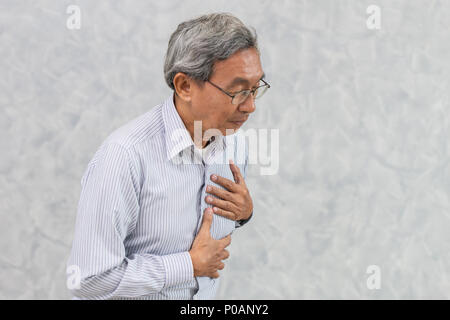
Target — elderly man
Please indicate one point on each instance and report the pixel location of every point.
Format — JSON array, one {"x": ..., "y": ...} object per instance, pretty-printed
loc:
[{"x": 159, "y": 201}]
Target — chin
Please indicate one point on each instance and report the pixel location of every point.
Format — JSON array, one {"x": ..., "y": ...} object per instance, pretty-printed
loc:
[{"x": 230, "y": 129}]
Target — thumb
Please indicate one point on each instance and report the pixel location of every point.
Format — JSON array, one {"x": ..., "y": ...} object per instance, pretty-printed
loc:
[{"x": 207, "y": 221}]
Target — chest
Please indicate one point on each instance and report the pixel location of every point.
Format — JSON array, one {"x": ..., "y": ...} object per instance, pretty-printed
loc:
[{"x": 172, "y": 202}]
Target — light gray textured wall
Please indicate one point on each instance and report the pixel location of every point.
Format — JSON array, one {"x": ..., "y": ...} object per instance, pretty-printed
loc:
[{"x": 363, "y": 117}]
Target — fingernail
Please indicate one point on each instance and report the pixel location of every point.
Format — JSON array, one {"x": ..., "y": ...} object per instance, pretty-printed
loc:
[
  {"x": 208, "y": 188},
  {"x": 213, "y": 177}
]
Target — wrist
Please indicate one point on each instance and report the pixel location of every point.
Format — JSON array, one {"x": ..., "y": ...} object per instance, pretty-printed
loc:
[{"x": 192, "y": 254}]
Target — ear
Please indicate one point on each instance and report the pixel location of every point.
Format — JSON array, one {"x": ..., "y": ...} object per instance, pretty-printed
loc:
[{"x": 183, "y": 86}]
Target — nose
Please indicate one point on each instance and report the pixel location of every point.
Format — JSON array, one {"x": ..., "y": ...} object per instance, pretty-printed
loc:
[{"x": 248, "y": 106}]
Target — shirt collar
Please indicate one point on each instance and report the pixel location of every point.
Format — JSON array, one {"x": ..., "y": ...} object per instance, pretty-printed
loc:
[{"x": 176, "y": 135}]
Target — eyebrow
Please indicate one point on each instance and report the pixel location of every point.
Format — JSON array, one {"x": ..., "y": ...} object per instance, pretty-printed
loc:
[{"x": 239, "y": 80}]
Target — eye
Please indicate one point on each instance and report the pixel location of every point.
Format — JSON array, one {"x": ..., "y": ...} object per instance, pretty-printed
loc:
[
  {"x": 236, "y": 90},
  {"x": 243, "y": 93}
]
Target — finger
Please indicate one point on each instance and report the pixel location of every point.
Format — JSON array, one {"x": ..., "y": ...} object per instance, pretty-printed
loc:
[
  {"x": 224, "y": 213},
  {"x": 225, "y": 255},
  {"x": 222, "y": 204},
  {"x": 224, "y": 182},
  {"x": 236, "y": 172},
  {"x": 207, "y": 221},
  {"x": 225, "y": 242},
  {"x": 215, "y": 275},
  {"x": 221, "y": 266},
  {"x": 221, "y": 193}
]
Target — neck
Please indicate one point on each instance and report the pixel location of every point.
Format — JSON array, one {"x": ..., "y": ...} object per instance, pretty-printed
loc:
[{"x": 186, "y": 116}]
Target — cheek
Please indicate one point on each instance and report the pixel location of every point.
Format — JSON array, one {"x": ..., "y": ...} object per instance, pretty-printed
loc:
[
  {"x": 225, "y": 116},
  {"x": 219, "y": 119}
]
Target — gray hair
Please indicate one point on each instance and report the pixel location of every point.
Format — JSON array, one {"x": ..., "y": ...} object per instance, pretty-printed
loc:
[{"x": 198, "y": 43}]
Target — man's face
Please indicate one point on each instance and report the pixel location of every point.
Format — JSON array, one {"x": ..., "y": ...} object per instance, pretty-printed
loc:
[{"x": 240, "y": 71}]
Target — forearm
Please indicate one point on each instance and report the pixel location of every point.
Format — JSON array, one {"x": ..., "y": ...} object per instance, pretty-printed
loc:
[{"x": 137, "y": 275}]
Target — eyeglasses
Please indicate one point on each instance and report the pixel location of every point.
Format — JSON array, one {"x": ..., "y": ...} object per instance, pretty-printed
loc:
[{"x": 242, "y": 95}]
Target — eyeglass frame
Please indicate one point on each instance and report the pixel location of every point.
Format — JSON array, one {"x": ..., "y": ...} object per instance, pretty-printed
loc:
[{"x": 252, "y": 91}]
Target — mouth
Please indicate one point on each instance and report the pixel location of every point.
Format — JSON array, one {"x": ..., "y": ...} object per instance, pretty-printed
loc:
[{"x": 239, "y": 122}]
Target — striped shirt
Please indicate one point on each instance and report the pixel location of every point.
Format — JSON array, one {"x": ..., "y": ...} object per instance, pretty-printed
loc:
[{"x": 141, "y": 206}]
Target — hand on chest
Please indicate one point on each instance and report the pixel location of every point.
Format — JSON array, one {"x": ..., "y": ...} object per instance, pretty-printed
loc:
[{"x": 221, "y": 226}]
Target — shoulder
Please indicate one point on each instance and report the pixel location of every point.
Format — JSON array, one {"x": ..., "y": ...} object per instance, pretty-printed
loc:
[
  {"x": 140, "y": 129},
  {"x": 119, "y": 145}
]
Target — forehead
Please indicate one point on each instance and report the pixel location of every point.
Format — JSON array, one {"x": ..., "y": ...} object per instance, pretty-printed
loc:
[{"x": 244, "y": 64}]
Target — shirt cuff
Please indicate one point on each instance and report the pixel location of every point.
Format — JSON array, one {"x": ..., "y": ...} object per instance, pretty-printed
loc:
[
  {"x": 240, "y": 223},
  {"x": 178, "y": 268}
]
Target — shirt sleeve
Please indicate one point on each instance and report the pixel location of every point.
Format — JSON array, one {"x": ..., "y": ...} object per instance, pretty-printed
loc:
[
  {"x": 240, "y": 223},
  {"x": 107, "y": 213}
]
